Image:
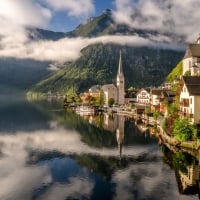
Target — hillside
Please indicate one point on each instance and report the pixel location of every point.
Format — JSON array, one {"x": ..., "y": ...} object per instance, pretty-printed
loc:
[
  {"x": 176, "y": 72},
  {"x": 143, "y": 66},
  {"x": 17, "y": 75}
]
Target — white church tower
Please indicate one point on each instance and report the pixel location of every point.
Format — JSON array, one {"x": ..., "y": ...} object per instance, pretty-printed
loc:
[{"x": 120, "y": 83}]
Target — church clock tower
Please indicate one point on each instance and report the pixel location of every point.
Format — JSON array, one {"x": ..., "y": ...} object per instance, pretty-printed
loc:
[{"x": 120, "y": 83}]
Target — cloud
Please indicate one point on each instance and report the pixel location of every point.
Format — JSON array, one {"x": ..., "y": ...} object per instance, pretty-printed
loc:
[
  {"x": 75, "y": 8},
  {"x": 16, "y": 15},
  {"x": 23, "y": 12},
  {"x": 68, "y": 49},
  {"x": 14, "y": 168},
  {"x": 141, "y": 182},
  {"x": 168, "y": 16}
]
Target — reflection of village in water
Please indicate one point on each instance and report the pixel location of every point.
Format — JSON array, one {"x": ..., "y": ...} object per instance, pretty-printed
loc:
[
  {"x": 186, "y": 166},
  {"x": 113, "y": 123},
  {"x": 187, "y": 170}
]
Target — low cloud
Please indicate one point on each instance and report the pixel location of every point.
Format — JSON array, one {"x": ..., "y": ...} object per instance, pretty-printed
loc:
[
  {"x": 68, "y": 49},
  {"x": 175, "y": 17}
]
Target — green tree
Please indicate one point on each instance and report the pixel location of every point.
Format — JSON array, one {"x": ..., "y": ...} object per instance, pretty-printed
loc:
[
  {"x": 156, "y": 114},
  {"x": 172, "y": 109},
  {"x": 183, "y": 130},
  {"x": 131, "y": 89},
  {"x": 111, "y": 101}
]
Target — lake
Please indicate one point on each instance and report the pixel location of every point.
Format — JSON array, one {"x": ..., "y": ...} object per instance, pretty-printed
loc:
[{"x": 48, "y": 153}]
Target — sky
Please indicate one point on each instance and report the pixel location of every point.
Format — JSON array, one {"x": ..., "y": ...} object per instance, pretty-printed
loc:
[
  {"x": 170, "y": 16},
  {"x": 62, "y": 21}
]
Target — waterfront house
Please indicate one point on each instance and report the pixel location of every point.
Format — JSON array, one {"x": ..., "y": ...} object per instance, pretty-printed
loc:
[
  {"x": 190, "y": 98},
  {"x": 167, "y": 97},
  {"x": 155, "y": 94},
  {"x": 143, "y": 96}
]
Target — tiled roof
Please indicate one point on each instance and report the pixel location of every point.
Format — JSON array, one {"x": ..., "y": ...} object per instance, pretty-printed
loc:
[
  {"x": 156, "y": 91},
  {"x": 193, "y": 84}
]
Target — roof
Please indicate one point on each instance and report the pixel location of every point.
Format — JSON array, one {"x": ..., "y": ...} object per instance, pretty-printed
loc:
[
  {"x": 193, "y": 50},
  {"x": 156, "y": 91},
  {"x": 193, "y": 84},
  {"x": 168, "y": 93},
  {"x": 106, "y": 86},
  {"x": 143, "y": 89},
  {"x": 95, "y": 88}
]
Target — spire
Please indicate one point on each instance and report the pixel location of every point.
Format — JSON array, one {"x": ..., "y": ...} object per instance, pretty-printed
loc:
[{"x": 120, "y": 71}]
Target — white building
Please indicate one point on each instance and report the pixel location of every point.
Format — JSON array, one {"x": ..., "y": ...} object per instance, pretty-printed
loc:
[
  {"x": 191, "y": 60},
  {"x": 143, "y": 96},
  {"x": 190, "y": 98}
]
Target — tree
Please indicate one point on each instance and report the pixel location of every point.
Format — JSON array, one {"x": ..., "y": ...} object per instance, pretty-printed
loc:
[
  {"x": 172, "y": 109},
  {"x": 131, "y": 89},
  {"x": 111, "y": 101},
  {"x": 183, "y": 130},
  {"x": 156, "y": 114}
]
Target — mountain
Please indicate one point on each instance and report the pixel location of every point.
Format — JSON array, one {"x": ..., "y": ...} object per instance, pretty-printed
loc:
[
  {"x": 143, "y": 66},
  {"x": 17, "y": 75},
  {"x": 100, "y": 26},
  {"x": 41, "y": 34}
]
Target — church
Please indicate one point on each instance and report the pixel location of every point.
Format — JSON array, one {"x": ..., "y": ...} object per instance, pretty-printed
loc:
[{"x": 116, "y": 92}]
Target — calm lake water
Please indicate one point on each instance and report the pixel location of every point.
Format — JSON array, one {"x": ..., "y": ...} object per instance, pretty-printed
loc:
[{"x": 47, "y": 153}]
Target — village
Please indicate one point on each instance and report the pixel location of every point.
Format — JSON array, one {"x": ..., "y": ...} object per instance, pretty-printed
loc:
[{"x": 179, "y": 99}]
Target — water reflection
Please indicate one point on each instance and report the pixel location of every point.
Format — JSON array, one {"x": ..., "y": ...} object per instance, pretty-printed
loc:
[
  {"x": 65, "y": 157},
  {"x": 187, "y": 170}
]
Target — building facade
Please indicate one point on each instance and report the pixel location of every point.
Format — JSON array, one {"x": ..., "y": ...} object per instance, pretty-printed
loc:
[
  {"x": 143, "y": 96},
  {"x": 191, "y": 60},
  {"x": 110, "y": 91},
  {"x": 190, "y": 98}
]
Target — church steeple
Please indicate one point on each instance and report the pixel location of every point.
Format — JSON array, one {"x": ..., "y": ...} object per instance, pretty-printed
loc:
[
  {"x": 120, "y": 70},
  {"x": 120, "y": 82}
]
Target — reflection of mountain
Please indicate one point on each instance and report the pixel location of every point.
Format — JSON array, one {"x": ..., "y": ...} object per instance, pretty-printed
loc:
[
  {"x": 16, "y": 114},
  {"x": 104, "y": 166}
]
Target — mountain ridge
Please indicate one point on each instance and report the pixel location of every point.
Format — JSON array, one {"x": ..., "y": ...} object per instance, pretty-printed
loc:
[{"x": 142, "y": 66}]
